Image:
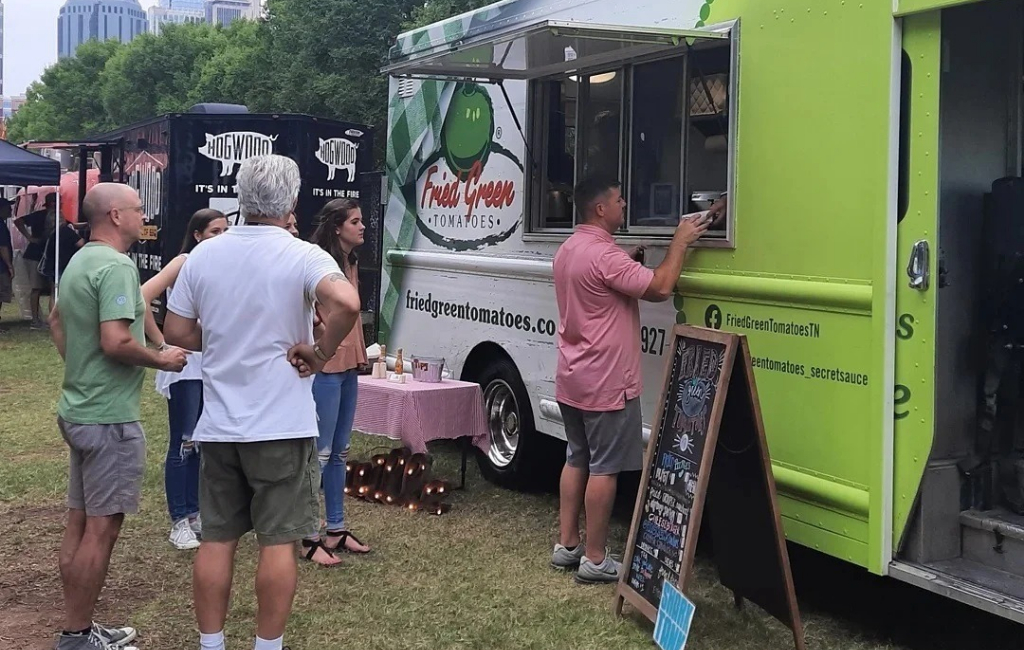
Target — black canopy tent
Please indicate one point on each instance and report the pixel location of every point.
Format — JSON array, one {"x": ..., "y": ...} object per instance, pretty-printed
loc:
[{"x": 21, "y": 167}]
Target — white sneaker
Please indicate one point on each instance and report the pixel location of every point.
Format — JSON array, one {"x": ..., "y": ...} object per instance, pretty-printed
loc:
[
  {"x": 197, "y": 526},
  {"x": 594, "y": 574},
  {"x": 182, "y": 536}
]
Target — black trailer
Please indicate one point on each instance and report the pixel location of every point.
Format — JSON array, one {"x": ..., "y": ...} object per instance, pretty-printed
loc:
[{"x": 183, "y": 162}]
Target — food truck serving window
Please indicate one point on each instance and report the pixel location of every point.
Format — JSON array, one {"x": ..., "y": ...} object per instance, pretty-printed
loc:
[
  {"x": 662, "y": 125},
  {"x": 651, "y": 107}
]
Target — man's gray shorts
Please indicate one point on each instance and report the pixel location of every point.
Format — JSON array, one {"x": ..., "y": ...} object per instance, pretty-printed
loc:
[
  {"x": 604, "y": 442},
  {"x": 107, "y": 465}
]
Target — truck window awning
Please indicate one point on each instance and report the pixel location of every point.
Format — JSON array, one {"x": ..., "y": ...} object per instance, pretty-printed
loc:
[{"x": 543, "y": 49}]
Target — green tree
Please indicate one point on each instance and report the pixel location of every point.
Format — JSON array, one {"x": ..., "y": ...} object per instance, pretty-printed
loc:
[
  {"x": 321, "y": 57},
  {"x": 326, "y": 56},
  {"x": 66, "y": 102},
  {"x": 242, "y": 72},
  {"x": 157, "y": 74}
]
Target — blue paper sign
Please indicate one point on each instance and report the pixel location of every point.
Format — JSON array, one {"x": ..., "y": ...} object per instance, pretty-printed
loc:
[{"x": 675, "y": 613}]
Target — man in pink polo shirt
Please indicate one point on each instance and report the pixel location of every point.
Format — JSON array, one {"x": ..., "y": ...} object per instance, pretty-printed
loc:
[{"x": 598, "y": 383}]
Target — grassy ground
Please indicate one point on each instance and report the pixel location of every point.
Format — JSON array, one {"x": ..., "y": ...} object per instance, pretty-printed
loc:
[{"x": 475, "y": 578}]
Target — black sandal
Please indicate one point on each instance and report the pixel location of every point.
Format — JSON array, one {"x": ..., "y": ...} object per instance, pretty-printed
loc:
[
  {"x": 317, "y": 544},
  {"x": 345, "y": 535}
]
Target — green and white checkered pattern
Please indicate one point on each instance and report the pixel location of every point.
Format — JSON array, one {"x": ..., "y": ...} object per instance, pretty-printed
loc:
[
  {"x": 414, "y": 132},
  {"x": 447, "y": 31}
]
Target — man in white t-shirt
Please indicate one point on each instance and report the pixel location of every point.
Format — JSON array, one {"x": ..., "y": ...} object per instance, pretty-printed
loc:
[{"x": 252, "y": 289}]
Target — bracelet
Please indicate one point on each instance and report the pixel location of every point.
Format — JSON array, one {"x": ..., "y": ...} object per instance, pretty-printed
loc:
[
  {"x": 163, "y": 346},
  {"x": 320, "y": 353}
]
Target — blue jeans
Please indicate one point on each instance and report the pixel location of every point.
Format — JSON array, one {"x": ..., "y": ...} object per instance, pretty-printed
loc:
[
  {"x": 335, "y": 395},
  {"x": 181, "y": 475}
]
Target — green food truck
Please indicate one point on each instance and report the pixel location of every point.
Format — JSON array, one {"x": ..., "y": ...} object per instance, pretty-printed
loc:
[{"x": 870, "y": 155}]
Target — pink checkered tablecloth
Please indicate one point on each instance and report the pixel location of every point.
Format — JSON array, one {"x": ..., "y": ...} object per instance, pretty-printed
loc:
[{"x": 418, "y": 412}]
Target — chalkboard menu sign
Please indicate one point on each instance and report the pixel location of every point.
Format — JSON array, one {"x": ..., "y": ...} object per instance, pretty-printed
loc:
[
  {"x": 679, "y": 443},
  {"x": 708, "y": 446}
]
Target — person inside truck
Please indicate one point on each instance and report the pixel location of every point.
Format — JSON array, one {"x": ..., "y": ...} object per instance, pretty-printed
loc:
[
  {"x": 719, "y": 209},
  {"x": 184, "y": 394},
  {"x": 598, "y": 287},
  {"x": 37, "y": 227}
]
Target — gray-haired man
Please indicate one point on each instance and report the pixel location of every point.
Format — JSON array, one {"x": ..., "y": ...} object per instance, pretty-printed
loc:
[{"x": 253, "y": 290}]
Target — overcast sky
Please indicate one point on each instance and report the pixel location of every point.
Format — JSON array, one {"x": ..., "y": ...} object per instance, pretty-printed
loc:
[{"x": 30, "y": 40}]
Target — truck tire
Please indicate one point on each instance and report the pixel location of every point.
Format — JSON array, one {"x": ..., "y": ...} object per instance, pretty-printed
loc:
[{"x": 513, "y": 440}]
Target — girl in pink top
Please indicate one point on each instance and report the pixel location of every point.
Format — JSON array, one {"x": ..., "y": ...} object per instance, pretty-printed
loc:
[{"x": 339, "y": 230}]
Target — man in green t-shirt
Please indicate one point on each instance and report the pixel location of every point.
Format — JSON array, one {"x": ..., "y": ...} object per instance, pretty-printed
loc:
[{"x": 98, "y": 329}]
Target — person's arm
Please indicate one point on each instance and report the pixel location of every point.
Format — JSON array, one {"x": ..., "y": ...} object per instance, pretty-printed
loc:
[
  {"x": 153, "y": 333},
  {"x": 19, "y": 223},
  {"x": 340, "y": 301},
  {"x": 718, "y": 211},
  {"x": 155, "y": 286},
  {"x": 163, "y": 280},
  {"x": 667, "y": 274},
  {"x": 181, "y": 323},
  {"x": 57, "y": 330},
  {"x": 119, "y": 295},
  {"x": 117, "y": 342},
  {"x": 183, "y": 332},
  {"x": 5, "y": 255},
  {"x": 318, "y": 323}
]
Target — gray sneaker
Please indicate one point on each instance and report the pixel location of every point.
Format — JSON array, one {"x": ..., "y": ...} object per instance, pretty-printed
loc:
[
  {"x": 91, "y": 641},
  {"x": 565, "y": 560},
  {"x": 596, "y": 574},
  {"x": 115, "y": 637},
  {"x": 197, "y": 526}
]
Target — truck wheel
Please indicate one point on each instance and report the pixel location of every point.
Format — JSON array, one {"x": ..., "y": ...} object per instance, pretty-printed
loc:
[{"x": 513, "y": 439}]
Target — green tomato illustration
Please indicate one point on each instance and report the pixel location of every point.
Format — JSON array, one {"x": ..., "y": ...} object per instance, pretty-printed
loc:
[
  {"x": 705, "y": 13},
  {"x": 468, "y": 129}
]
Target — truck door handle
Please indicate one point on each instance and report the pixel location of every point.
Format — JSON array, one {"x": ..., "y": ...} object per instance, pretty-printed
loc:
[{"x": 917, "y": 269}]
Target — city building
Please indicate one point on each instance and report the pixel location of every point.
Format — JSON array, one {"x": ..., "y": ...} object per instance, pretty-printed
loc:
[
  {"x": 161, "y": 16},
  {"x": 189, "y": 5},
  {"x": 12, "y": 104},
  {"x": 225, "y": 12},
  {"x": 83, "y": 20}
]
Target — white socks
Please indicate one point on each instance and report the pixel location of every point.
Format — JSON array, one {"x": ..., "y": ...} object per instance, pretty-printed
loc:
[
  {"x": 275, "y": 644},
  {"x": 216, "y": 642},
  {"x": 212, "y": 641}
]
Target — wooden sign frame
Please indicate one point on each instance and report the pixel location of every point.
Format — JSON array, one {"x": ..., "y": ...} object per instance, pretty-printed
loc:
[{"x": 736, "y": 374}]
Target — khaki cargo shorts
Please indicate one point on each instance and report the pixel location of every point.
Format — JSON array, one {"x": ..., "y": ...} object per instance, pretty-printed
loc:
[
  {"x": 269, "y": 487},
  {"x": 108, "y": 462}
]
